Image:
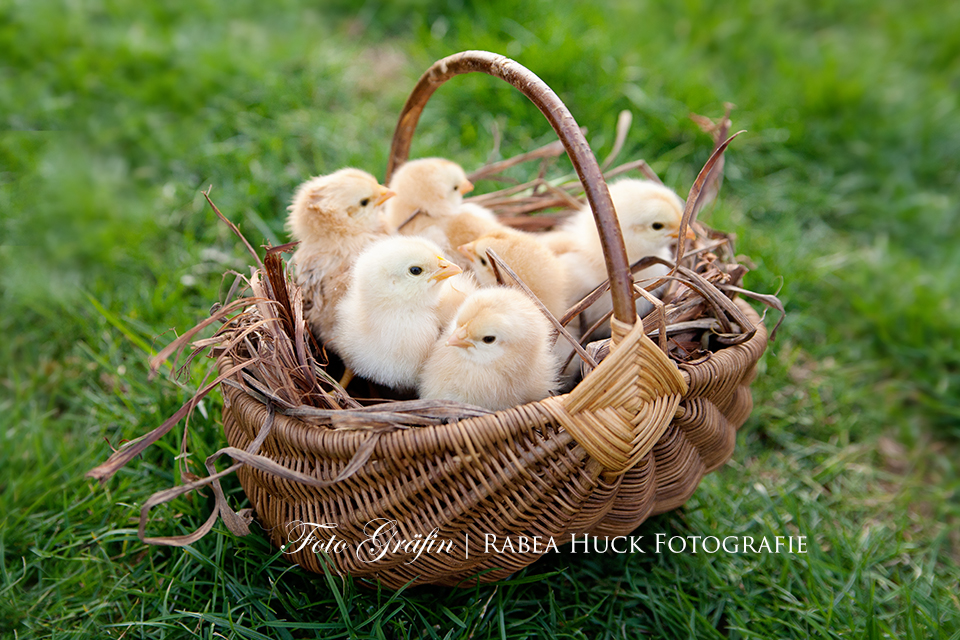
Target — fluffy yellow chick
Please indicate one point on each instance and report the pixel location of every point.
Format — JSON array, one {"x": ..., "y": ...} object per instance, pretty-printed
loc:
[
  {"x": 649, "y": 215},
  {"x": 467, "y": 227},
  {"x": 464, "y": 228},
  {"x": 496, "y": 353},
  {"x": 435, "y": 186},
  {"x": 334, "y": 217},
  {"x": 388, "y": 321},
  {"x": 537, "y": 266}
]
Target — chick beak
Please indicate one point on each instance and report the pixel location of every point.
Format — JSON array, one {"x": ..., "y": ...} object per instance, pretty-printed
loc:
[
  {"x": 459, "y": 339},
  {"x": 690, "y": 235},
  {"x": 385, "y": 195},
  {"x": 446, "y": 270},
  {"x": 464, "y": 250},
  {"x": 466, "y": 187}
]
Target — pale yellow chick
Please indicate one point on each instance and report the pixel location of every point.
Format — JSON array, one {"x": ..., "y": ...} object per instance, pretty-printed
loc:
[
  {"x": 537, "y": 266},
  {"x": 333, "y": 217},
  {"x": 388, "y": 321},
  {"x": 649, "y": 215},
  {"x": 496, "y": 353}
]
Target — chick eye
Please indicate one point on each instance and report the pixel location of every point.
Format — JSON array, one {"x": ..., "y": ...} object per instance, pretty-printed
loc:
[
  {"x": 416, "y": 270},
  {"x": 456, "y": 187},
  {"x": 489, "y": 339},
  {"x": 483, "y": 261},
  {"x": 657, "y": 226},
  {"x": 365, "y": 202}
]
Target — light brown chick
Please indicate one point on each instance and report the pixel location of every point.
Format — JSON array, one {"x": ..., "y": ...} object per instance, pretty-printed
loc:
[
  {"x": 333, "y": 217},
  {"x": 435, "y": 186},
  {"x": 463, "y": 228},
  {"x": 537, "y": 266},
  {"x": 496, "y": 353}
]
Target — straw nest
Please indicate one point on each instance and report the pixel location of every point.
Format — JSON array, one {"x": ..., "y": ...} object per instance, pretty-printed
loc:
[{"x": 411, "y": 489}]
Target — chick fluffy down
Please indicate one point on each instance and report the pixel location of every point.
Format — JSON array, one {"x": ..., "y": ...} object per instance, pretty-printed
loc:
[
  {"x": 389, "y": 319},
  {"x": 333, "y": 218},
  {"x": 495, "y": 354},
  {"x": 649, "y": 216},
  {"x": 533, "y": 262},
  {"x": 436, "y": 186}
]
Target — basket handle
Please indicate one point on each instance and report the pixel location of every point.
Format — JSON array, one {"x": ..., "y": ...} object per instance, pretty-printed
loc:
[{"x": 611, "y": 239}]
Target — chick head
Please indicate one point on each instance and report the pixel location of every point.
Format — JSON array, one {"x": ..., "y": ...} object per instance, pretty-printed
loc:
[
  {"x": 346, "y": 202},
  {"x": 476, "y": 253},
  {"x": 649, "y": 215},
  {"x": 436, "y": 186},
  {"x": 402, "y": 270},
  {"x": 497, "y": 323}
]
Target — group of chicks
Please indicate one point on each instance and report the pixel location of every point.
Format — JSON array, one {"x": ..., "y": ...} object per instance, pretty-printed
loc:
[{"x": 397, "y": 280}]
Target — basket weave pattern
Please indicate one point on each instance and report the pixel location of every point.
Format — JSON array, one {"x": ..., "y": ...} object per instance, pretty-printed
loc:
[{"x": 634, "y": 439}]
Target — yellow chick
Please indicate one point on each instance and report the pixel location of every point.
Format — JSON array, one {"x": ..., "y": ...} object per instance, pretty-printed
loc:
[
  {"x": 466, "y": 227},
  {"x": 537, "y": 266},
  {"x": 649, "y": 215},
  {"x": 435, "y": 186},
  {"x": 496, "y": 353},
  {"x": 333, "y": 217},
  {"x": 388, "y": 321}
]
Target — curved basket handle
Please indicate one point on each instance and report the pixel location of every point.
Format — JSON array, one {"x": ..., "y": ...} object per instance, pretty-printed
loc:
[{"x": 611, "y": 240}]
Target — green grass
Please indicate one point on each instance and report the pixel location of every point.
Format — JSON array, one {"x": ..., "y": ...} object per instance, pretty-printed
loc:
[{"x": 113, "y": 118}]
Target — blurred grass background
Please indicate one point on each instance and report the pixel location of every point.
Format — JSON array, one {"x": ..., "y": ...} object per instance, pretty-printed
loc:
[{"x": 113, "y": 117}]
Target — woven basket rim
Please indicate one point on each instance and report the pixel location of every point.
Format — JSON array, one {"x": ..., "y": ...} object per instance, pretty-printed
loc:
[{"x": 342, "y": 443}]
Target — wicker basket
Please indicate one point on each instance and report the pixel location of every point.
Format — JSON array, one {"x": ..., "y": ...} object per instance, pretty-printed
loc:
[{"x": 633, "y": 439}]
